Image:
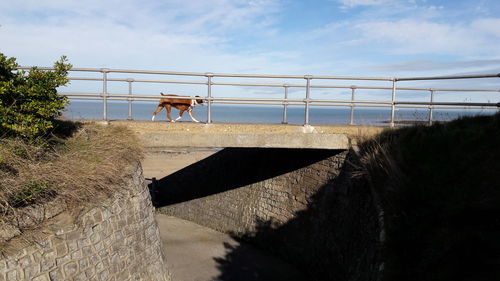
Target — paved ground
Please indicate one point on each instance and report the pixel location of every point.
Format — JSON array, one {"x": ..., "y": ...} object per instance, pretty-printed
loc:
[
  {"x": 240, "y": 128},
  {"x": 197, "y": 253}
]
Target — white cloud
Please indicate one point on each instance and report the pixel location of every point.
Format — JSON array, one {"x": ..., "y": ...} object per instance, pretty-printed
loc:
[
  {"x": 111, "y": 45},
  {"x": 355, "y": 3},
  {"x": 426, "y": 37},
  {"x": 489, "y": 26},
  {"x": 432, "y": 65},
  {"x": 176, "y": 15},
  {"x": 236, "y": 35},
  {"x": 175, "y": 34}
]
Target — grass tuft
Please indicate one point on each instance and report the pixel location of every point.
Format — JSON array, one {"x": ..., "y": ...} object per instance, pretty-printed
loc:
[
  {"x": 75, "y": 166},
  {"x": 31, "y": 193}
]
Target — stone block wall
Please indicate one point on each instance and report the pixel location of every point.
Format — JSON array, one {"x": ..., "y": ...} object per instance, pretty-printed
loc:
[
  {"x": 275, "y": 198},
  {"x": 303, "y": 205},
  {"x": 114, "y": 238}
]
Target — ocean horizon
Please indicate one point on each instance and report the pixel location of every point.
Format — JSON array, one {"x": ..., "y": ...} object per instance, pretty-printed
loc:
[{"x": 234, "y": 113}]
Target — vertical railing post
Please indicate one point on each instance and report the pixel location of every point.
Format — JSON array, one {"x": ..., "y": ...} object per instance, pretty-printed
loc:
[
  {"x": 431, "y": 107},
  {"x": 307, "y": 99},
  {"x": 285, "y": 105},
  {"x": 353, "y": 92},
  {"x": 209, "y": 96},
  {"x": 105, "y": 93},
  {"x": 393, "y": 101},
  {"x": 130, "y": 80}
]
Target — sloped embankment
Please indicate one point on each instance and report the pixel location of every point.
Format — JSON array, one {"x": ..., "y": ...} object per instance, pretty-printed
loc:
[{"x": 440, "y": 191}]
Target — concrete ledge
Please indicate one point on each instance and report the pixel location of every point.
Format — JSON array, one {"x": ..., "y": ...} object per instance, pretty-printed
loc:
[
  {"x": 188, "y": 134},
  {"x": 321, "y": 141}
]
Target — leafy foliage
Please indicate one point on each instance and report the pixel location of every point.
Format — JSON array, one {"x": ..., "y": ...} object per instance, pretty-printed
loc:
[{"x": 29, "y": 102}]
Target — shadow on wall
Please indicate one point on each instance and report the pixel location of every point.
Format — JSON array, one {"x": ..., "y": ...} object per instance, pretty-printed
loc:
[
  {"x": 232, "y": 168},
  {"x": 335, "y": 238}
]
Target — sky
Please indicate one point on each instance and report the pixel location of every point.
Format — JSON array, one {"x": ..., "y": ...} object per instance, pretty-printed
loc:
[{"x": 378, "y": 38}]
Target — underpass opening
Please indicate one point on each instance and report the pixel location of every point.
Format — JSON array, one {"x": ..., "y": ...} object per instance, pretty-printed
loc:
[{"x": 301, "y": 204}]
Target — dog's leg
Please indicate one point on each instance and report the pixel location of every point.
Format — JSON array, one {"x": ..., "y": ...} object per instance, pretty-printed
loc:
[
  {"x": 160, "y": 107},
  {"x": 190, "y": 111},
  {"x": 181, "y": 111},
  {"x": 169, "y": 109}
]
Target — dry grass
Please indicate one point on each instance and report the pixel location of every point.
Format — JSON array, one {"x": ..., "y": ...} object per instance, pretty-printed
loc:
[
  {"x": 90, "y": 162},
  {"x": 377, "y": 162},
  {"x": 438, "y": 186}
]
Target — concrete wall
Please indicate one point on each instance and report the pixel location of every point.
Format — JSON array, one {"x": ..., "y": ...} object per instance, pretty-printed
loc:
[
  {"x": 303, "y": 205},
  {"x": 115, "y": 238},
  {"x": 190, "y": 134}
]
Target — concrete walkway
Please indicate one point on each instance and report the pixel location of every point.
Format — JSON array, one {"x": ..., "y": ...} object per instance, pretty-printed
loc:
[{"x": 197, "y": 253}]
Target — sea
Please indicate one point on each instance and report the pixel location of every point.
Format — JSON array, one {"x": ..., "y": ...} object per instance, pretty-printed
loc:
[{"x": 231, "y": 113}]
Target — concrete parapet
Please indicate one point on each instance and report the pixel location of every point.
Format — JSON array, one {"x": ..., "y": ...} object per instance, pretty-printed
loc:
[
  {"x": 187, "y": 134},
  {"x": 300, "y": 140}
]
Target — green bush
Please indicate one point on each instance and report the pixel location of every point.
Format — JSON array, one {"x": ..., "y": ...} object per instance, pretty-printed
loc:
[{"x": 29, "y": 102}]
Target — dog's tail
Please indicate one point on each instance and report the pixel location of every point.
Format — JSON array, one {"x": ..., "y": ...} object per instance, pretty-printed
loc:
[{"x": 168, "y": 95}]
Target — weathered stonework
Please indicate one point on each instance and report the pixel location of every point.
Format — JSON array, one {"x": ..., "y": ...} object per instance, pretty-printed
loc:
[
  {"x": 276, "y": 199},
  {"x": 115, "y": 239}
]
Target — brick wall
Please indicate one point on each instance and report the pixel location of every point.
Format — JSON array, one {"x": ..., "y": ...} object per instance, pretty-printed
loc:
[
  {"x": 115, "y": 239},
  {"x": 301, "y": 204}
]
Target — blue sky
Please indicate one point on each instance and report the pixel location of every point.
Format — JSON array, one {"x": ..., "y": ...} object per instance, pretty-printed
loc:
[{"x": 319, "y": 37}]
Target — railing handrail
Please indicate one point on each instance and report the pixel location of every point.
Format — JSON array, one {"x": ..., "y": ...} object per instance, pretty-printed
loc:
[
  {"x": 156, "y": 97},
  {"x": 228, "y": 75},
  {"x": 281, "y": 85},
  {"x": 307, "y": 101},
  {"x": 476, "y": 76},
  {"x": 134, "y": 71},
  {"x": 283, "y": 100}
]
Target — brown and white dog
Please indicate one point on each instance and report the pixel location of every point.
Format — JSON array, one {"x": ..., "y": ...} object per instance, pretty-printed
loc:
[{"x": 179, "y": 103}]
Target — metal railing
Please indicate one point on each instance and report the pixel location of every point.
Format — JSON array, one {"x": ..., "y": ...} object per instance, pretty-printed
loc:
[{"x": 307, "y": 101}]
